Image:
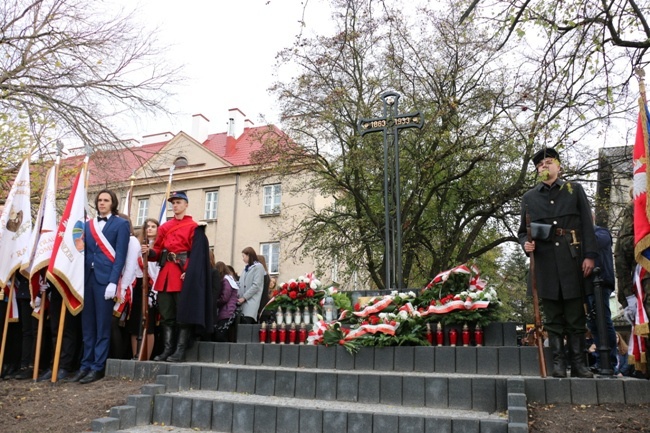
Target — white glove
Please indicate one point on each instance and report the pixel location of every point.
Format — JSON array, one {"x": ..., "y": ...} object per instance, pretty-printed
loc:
[
  {"x": 42, "y": 287},
  {"x": 149, "y": 301},
  {"x": 37, "y": 302},
  {"x": 111, "y": 289},
  {"x": 630, "y": 311}
]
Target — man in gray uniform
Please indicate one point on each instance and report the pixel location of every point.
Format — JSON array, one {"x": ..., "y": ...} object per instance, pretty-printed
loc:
[{"x": 564, "y": 247}]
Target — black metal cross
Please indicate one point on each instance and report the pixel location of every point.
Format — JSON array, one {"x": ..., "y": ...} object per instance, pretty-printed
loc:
[{"x": 390, "y": 124}]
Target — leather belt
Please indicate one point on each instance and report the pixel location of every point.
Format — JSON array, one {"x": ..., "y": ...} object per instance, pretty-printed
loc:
[
  {"x": 566, "y": 232},
  {"x": 177, "y": 257}
]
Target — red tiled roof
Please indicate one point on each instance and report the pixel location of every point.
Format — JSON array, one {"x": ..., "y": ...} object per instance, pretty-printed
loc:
[
  {"x": 114, "y": 166},
  {"x": 107, "y": 167},
  {"x": 238, "y": 151}
]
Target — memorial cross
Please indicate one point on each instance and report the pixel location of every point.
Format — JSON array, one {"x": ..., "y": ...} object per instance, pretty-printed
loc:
[{"x": 390, "y": 124}]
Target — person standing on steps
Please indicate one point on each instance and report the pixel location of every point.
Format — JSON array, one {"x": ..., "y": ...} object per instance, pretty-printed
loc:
[
  {"x": 564, "y": 247},
  {"x": 183, "y": 285},
  {"x": 106, "y": 243}
]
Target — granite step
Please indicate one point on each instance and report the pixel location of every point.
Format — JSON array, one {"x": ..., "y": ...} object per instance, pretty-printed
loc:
[{"x": 241, "y": 412}]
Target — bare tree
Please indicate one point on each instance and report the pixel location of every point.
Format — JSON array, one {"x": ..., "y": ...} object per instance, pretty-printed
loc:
[
  {"x": 74, "y": 66},
  {"x": 618, "y": 23}
]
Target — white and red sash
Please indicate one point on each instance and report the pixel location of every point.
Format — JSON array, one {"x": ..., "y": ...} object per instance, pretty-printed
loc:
[{"x": 101, "y": 240}]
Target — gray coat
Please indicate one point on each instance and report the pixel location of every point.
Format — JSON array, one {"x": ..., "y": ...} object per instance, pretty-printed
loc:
[
  {"x": 251, "y": 286},
  {"x": 558, "y": 264}
]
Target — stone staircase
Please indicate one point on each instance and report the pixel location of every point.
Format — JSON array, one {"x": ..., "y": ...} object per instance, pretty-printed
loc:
[{"x": 281, "y": 388}]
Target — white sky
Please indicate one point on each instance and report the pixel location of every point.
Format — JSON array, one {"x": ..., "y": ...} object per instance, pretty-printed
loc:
[{"x": 228, "y": 50}]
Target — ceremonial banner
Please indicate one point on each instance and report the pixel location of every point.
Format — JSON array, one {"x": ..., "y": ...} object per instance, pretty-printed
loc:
[
  {"x": 43, "y": 237},
  {"x": 66, "y": 268},
  {"x": 641, "y": 211},
  {"x": 16, "y": 227}
]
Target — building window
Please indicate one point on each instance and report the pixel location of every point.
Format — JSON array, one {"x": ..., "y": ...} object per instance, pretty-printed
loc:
[
  {"x": 271, "y": 252},
  {"x": 143, "y": 211},
  {"x": 211, "y": 200},
  {"x": 180, "y": 162},
  {"x": 272, "y": 197}
]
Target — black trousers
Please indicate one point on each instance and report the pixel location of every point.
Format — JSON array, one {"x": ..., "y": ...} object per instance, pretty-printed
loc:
[{"x": 564, "y": 316}]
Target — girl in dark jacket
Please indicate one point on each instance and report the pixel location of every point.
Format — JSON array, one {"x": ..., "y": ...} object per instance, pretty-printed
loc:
[{"x": 227, "y": 301}]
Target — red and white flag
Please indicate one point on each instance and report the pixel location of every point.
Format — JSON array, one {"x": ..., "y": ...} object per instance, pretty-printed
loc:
[
  {"x": 43, "y": 236},
  {"x": 66, "y": 267},
  {"x": 16, "y": 227}
]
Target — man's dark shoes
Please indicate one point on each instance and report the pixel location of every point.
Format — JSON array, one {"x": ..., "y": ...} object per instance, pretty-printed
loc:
[
  {"x": 9, "y": 371},
  {"x": 63, "y": 373},
  {"x": 24, "y": 373},
  {"x": 93, "y": 376},
  {"x": 77, "y": 377}
]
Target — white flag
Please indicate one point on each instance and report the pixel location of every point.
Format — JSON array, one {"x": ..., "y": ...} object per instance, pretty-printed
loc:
[
  {"x": 16, "y": 227},
  {"x": 44, "y": 233},
  {"x": 66, "y": 268}
]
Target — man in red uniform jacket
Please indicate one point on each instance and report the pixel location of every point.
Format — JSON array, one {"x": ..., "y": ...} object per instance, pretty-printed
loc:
[{"x": 172, "y": 248}]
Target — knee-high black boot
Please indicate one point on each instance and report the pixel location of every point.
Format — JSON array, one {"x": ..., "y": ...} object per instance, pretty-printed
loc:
[
  {"x": 556, "y": 342},
  {"x": 578, "y": 359},
  {"x": 169, "y": 341},
  {"x": 181, "y": 346}
]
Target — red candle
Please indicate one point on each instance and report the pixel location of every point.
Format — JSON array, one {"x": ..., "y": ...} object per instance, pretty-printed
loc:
[
  {"x": 453, "y": 336},
  {"x": 429, "y": 334},
  {"x": 292, "y": 334},
  {"x": 465, "y": 335},
  {"x": 274, "y": 333},
  {"x": 478, "y": 335},
  {"x": 440, "y": 336},
  {"x": 263, "y": 333},
  {"x": 302, "y": 334},
  {"x": 282, "y": 334}
]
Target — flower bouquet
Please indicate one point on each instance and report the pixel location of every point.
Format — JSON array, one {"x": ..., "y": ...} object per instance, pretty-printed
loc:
[
  {"x": 307, "y": 292},
  {"x": 458, "y": 296}
]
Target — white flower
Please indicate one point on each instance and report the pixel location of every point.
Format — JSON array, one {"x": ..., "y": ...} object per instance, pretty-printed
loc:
[
  {"x": 393, "y": 293},
  {"x": 292, "y": 281},
  {"x": 383, "y": 316},
  {"x": 487, "y": 297},
  {"x": 403, "y": 295},
  {"x": 464, "y": 294},
  {"x": 411, "y": 295},
  {"x": 473, "y": 295},
  {"x": 315, "y": 284},
  {"x": 403, "y": 315}
]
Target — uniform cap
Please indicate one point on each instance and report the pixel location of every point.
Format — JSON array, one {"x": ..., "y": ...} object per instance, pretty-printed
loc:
[
  {"x": 178, "y": 194},
  {"x": 547, "y": 152}
]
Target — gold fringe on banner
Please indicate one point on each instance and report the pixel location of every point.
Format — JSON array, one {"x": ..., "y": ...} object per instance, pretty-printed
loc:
[{"x": 642, "y": 329}]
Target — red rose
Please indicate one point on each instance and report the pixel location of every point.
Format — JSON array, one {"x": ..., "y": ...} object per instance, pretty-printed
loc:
[
  {"x": 302, "y": 285},
  {"x": 357, "y": 307},
  {"x": 365, "y": 322},
  {"x": 310, "y": 293},
  {"x": 285, "y": 286},
  {"x": 374, "y": 320},
  {"x": 393, "y": 323},
  {"x": 342, "y": 342},
  {"x": 346, "y": 331},
  {"x": 283, "y": 292},
  {"x": 293, "y": 295},
  {"x": 293, "y": 286}
]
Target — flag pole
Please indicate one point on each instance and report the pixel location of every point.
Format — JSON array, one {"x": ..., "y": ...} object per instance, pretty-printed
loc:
[
  {"x": 4, "y": 331},
  {"x": 39, "y": 340},
  {"x": 163, "y": 208},
  {"x": 41, "y": 316},
  {"x": 59, "y": 337}
]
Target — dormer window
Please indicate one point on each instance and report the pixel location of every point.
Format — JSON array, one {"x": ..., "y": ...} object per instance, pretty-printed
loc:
[{"x": 180, "y": 162}]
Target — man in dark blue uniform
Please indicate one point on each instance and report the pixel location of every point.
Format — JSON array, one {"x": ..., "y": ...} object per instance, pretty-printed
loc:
[
  {"x": 564, "y": 247},
  {"x": 106, "y": 242}
]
